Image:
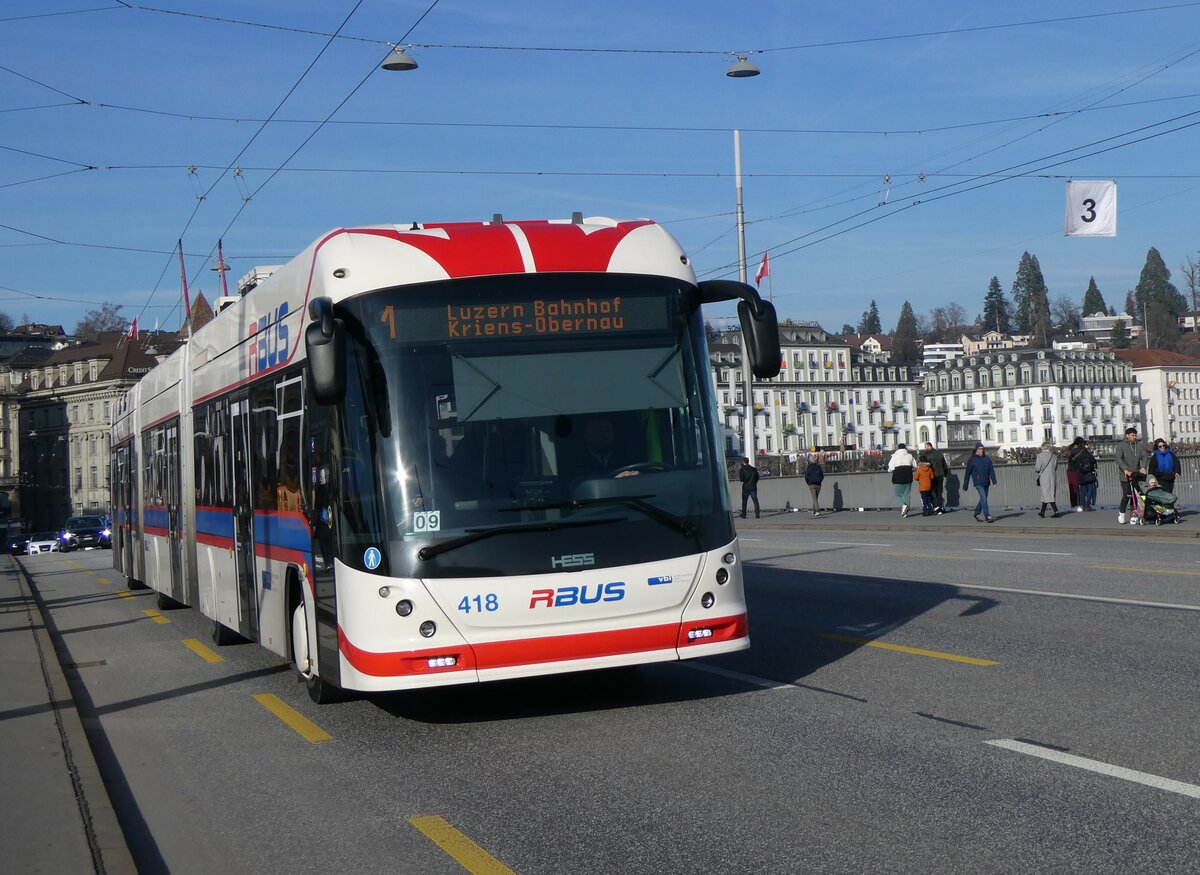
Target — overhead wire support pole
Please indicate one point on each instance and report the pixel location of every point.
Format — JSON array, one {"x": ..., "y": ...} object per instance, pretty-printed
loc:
[{"x": 748, "y": 442}]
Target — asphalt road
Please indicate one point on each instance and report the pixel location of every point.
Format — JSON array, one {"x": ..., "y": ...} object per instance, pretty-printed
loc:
[{"x": 930, "y": 703}]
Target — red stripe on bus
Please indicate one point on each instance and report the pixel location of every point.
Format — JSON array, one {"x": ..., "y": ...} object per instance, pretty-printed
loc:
[{"x": 533, "y": 651}]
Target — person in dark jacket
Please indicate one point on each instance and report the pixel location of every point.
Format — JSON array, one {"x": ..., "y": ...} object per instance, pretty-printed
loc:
[
  {"x": 1081, "y": 461},
  {"x": 981, "y": 474},
  {"x": 813, "y": 475},
  {"x": 1164, "y": 465},
  {"x": 748, "y": 474},
  {"x": 937, "y": 461}
]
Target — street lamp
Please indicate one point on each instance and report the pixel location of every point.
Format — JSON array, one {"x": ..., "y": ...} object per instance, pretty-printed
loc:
[{"x": 399, "y": 59}]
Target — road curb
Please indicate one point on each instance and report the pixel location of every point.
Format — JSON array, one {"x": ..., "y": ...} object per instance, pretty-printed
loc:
[
  {"x": 110, "y": 851},
  {"x": 848, "y": 520}
]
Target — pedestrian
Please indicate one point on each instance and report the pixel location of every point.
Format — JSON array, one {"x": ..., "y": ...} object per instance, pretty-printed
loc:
[
  {"x": 937, "y": 461},
  {"x": 748, "y": 474},
  {"x": 1073, "y": 473},
  {"x": 1082, "y": 464},
  {"x": 1087, "y": 477},
  {"x": 1132, "y": 459},
  {"x": 981, "y": 474},
  {"x": 902, "y": 465},
  {"x": 1045, "y": 469},
  {"x": 813, "y": 475},
  {"x": 924, "y": 479},
  {"x": 1164, "y": 465}
]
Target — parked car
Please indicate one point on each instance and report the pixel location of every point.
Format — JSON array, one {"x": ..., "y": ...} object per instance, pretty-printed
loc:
[
  {"x": 42, "y": 542},
  {"x": 19, "y": 543},
  {"x": 83, "y": 532}
]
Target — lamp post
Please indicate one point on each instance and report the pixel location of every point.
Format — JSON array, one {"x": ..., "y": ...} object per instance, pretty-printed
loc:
[{"x": 749, "y": 443}]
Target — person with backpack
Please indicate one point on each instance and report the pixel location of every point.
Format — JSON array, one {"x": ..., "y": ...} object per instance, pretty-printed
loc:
[
  {"x": 902, "y": 465},
  {"x": 981, "y": 474},
  {"x": 813, "y": 475}
]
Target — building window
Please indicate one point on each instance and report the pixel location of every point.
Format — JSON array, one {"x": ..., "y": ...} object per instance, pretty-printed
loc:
[
  {"x": 95, "y": 478},
  {"x": 91, "y": 413}
]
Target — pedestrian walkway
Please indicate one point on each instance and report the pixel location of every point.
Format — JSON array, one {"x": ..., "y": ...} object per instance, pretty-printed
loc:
[
  {"x": 1021, "y": 521},
  {"x": 56, "y": 814}
]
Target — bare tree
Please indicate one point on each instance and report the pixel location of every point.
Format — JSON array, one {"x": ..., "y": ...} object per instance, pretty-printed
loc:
[
  {"x": 956, "y": 315},
  {"x": 1191, "y": 277},
  {"x": 1065, "y": 313},
  {"x": 107, "y": 318}
]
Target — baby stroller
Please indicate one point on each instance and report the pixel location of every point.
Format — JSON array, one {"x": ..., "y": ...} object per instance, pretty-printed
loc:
[{"x": 1157, "y": 504}]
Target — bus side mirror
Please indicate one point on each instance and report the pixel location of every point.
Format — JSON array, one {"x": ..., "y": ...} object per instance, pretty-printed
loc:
[
  {"x": 325, "y": 347},
  {"x": 760, "y": 327}
]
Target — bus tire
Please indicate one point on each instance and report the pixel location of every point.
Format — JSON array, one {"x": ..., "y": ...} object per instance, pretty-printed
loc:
[
  {"x": 320, "y": 691},
  {"x": 166, "y": 603},
  {"x": 132, "y": 584},
  {"x": 222, "y": 635}
]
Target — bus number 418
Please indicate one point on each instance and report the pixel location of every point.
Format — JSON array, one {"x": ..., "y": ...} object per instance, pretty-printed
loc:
[{"x": 488, "y": 602}]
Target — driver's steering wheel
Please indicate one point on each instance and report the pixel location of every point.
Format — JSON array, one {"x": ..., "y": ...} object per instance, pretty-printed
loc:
[{"x": 639, "y": 468}]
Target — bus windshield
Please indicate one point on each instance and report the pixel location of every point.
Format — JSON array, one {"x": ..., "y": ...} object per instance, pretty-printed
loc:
[{"x": 531, "y": 423}]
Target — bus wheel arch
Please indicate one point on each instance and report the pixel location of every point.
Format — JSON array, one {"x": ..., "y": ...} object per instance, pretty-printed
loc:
[{"x": 301, "y": 645}]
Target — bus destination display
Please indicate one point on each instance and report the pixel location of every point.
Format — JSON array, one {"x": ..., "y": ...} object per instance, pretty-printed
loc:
[{"x": 536, "y": 317}]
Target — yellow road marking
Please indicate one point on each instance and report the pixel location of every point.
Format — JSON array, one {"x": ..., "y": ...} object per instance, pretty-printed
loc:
[
  {"x": 305, "y": 727},
  {"x": 203, "y": 652},
  {"x": 103, "y": 581},
  {"x": 90, "y": 573},
  {"x": 1143, "y": 570},
  {"x": 468, "y": 854},
  {"x": 930, "y": 556},
  {"x": 156, "y": 617},
  {"x": 125, "y": 595},
  {"x": 900, "y": 648}
]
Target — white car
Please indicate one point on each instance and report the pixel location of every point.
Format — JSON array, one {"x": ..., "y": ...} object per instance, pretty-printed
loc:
[{"x": 42, "y": 542}]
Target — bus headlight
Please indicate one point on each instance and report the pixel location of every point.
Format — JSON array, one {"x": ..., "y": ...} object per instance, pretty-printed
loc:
[
  {"x": 404, "y": 608},
  {"x": 722, "y": 576},
  {"x": 707, "y": 600},
  {"x": 428, "y": 629}
]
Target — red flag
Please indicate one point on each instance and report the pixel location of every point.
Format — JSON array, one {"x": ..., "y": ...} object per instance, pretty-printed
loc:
[
  {"x": 187, "y": 305},
  {"x": 133, "y": 333},
  {"x": 764, "y": 269}
]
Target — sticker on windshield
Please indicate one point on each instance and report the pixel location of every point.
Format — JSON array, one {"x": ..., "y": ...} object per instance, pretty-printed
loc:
[
  {"x": 371, "y": 558},
  {"x": 427, "y": 521}
]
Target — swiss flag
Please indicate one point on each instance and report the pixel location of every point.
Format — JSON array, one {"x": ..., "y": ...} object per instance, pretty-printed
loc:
[
  {"x": 133, "y": 332},
  {"x": 764, "y": 269}
]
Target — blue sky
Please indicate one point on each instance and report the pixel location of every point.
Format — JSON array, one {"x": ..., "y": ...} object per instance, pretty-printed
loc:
[{"x": 538, "y": 109}]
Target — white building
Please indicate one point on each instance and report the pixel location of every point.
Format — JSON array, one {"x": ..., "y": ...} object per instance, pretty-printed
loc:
[
  {"x": 1100, "y": 326},
  {"x": 1170, "y": 388},
  {"x": 933, "y": 354},
  {"x": 826, "y": 395},
  {"x": 1022, "y": 397}
]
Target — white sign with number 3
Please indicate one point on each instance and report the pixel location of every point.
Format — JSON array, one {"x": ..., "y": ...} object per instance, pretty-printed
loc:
[{"x": 1091, "y": 208}]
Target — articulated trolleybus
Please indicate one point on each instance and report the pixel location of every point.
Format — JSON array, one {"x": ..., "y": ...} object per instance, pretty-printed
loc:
[{"x": 440, "y": 454}]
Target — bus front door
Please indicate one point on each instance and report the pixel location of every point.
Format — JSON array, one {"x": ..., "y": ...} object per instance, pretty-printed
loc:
[
  {"x": 243, "y": 521},
  {"x": 175, "y": 513}
]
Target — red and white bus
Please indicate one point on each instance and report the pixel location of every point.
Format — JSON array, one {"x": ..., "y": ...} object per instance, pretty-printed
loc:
[{"x": 440, "y": 454}]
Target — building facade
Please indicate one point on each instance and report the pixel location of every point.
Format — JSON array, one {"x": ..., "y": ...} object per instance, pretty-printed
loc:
[
  {"x": 1023, "y": 397},
  {"x": 1170, "y": 387},
  {"x": 827, "y": 395}
]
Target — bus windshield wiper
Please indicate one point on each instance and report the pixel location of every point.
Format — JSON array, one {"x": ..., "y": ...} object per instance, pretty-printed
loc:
[
  {"x": 668, "y": 519},
  {"x": 473, "y": 535}
]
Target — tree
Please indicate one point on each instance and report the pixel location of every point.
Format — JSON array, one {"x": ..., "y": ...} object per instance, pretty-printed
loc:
[
  {"x": 870, "y": 321},
  {"x": 6, "y": 323},
  {"x": 107, "y": 318},
  {"x": 847, "y": 329},
  {"x": 997, "y": 312},
  {"x": 1191, "y": 276},
  {"x": 1119, "y": 339},
  {"x": 1160, "y": 302},
  {"x": 1065, "y": 313},
  {"x": 1131, "y": 308},
  {"x": 1093, "y": 301},
  {"x": 1032, "y": 300},
  {"x": 904, "y": 338}
]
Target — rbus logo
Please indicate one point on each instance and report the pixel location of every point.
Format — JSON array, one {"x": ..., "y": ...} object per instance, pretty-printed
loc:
[
  {"x": 565, "y": 596},
  {"x": 272, "y": 346}
]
